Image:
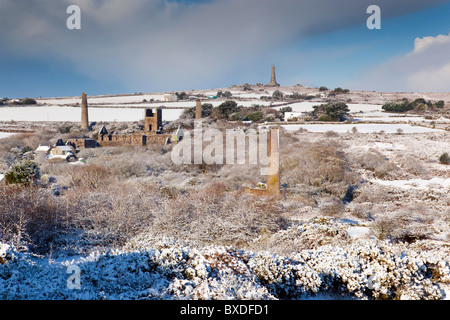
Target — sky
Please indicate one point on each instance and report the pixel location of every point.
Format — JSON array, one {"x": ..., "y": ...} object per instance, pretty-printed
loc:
[{"x": 168, "y": 45}]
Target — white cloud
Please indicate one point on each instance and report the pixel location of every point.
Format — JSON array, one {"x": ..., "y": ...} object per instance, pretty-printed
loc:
[
  {"x": 425, "y": 69},
  {"x": 437, "y": 79},
  {"x": 425, "y": 43}
]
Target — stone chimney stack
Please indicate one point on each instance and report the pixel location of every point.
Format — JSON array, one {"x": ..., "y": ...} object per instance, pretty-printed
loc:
[
  {"x": 273, "y": 180},
  {"x": 84, "y": 112},
  {"x": 198, "y": 110},
  {"x": 273, "y": 177}
]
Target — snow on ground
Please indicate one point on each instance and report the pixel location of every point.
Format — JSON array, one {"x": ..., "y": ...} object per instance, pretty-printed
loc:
[
  {"x": 362, "y": 128},
  {"x": 150, "y": 269},
  {"x": 102, "y": 99},
  {"x": 74, "y": 114},
  {"x": 358, "y": 232},
  {"x": 394, "y": 117},
  {"x": 134, "y": 99},
  {"x": 388, "y": 119},
  {"x": 379, "y": 146},
  {"x": 119, "y": 111},
  {"x": 190, "y": 104},
  {"x": 416, "y": 183},
  {"x": 5, "y": 135},
  {"x": 354, "y": 108},
  {"x": 303, "y": 106}
]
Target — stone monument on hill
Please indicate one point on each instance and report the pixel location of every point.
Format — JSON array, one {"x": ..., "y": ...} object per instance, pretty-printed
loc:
[{"x": 273, "y": 80}]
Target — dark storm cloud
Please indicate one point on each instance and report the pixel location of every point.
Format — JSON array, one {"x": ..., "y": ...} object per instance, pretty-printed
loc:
[{"x": 156, "y": 43}]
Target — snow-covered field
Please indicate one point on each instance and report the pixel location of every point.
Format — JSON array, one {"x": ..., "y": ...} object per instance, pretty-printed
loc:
[
  {"x": 138, "y": 99},
  {"x": 190, "y": 104},
  {"x": 102, "y": 100},
  {"x": 354, "y": 108},
  {"x": 5, "y": 135},
  {"x": 416, "y": 183},
  {"x": 74, "y": 114},
  {"x": 129, "y": 108},
  {"x": 388, "y": 119},
  {"x": 362, "y": 128}
]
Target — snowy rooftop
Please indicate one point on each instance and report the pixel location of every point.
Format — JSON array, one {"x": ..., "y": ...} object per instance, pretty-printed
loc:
[{"x": 65, "y": 148}]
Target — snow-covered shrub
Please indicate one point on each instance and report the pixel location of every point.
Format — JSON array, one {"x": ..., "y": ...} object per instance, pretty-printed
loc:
[
  {"x": 363, "y": 270},
  {"x": 301, "y": 236},
  {"x": 209, "y": 215},
  {"x": 444, "y": 158},
  {"x": 317, "y": 163},
  {"x": 24, "y": 172},
  {"x": 5, "y": 253},
  {"x": 413, "y": 165},
  {"x": 148, "y": 268},
  {"x": 89, "y": 177}
]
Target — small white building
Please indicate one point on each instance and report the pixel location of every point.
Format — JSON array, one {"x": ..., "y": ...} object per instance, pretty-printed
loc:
[
  {"x": 170, "y": 97},
  {"x": 290, "y": 116},
  {"x": 63, "y": 152}
]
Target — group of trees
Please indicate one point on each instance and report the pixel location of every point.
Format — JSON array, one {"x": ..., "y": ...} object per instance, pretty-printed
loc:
[
  {"x": 230, "y": 110},
  {"x": 333, "y": 111},
  {"x": 278, "y": 95},
  {"x": 19, "y": 102},
  {"x": 338, "y": 90},
  {"x": 226, "y": 94},
  {"x": 207, "y": 109},
  {"x": 418, "y": 105},
  {"x": 182, "y": 96}
]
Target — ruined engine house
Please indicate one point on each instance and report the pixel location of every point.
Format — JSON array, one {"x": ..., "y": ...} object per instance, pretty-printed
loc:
[{"x": 152, "y": 133}]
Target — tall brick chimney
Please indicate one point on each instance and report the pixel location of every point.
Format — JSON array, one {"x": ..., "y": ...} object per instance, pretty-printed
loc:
[
  {"x": 198, "y": 110},
  {"x": 273, "y": 180},
  {"x": 84, "y": 112}
]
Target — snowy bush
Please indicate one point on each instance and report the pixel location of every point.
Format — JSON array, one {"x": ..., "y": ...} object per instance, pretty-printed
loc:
[
  {"x": 166, "y": 269},
  {"x": 25, "y": 172},
  {"x": 5, "y": 253},
  {"x": 444, "y": 158}
]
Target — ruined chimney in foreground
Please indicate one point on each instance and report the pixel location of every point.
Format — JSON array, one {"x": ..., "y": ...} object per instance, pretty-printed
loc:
[
  {"x": 273, "y": 180},
  {"x": 198, "y": 110},
  {"x": 84, "y": 112},
  {"x": 272, "y": 187}
]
